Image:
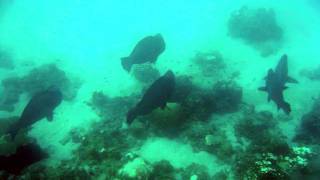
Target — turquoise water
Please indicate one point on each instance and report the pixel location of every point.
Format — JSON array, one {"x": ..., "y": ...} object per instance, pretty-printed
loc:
[{"x": 86, "y": 41}]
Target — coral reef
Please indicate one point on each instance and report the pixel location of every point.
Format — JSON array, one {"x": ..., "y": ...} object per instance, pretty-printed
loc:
[
  {"x": 6, "y": 61},
  {"x": 261, "y": 130},
  {"x": 257, "y": 27},
  {"x": 195, "y": 172},
  {"x": 227, "y": 95},
  {"x": 309, "y": 129},
  {"x": 211, "y": 64},
  {"x": 209, "y": 138},
  {"x": 224, "y": 97},
  {"x": 145, "y": 73},
  {"x": 270, "y": 166},
  {"x": 11, "y": 93},
  {"x": 38, "y": 79},
  {"x": 111, "y": 108},
  {"x": 184, "y": 86},
  {"x": 313, "y": 75},
  {"x": 168, "y": 122},
  {"x": 268, "y": 155},
  {"x": 162, "y": 170}
]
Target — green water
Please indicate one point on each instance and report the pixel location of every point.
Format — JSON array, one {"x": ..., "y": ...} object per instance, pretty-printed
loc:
[{"x": 86, "y": 40}]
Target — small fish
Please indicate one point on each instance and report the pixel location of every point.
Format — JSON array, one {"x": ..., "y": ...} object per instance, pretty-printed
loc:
[
  {"x": 147, "y": 50},
  {"x": 24, "y": 156},
  {"x": 157, "y": 95},
  {"x": 275, "y": 84},
  {"x": 40, "y": 106}
]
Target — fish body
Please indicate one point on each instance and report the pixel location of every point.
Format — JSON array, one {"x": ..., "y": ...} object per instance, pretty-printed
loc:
[
  {"x": 24, "y": 156},
  {"x": 147, "y": 50},
  {"x": 157, "y": 95},
  {"x": 41, "y": 105},
  {"x": 276, "y": 84}
]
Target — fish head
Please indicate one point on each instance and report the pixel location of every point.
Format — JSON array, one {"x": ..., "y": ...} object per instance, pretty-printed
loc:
[
  {"x": 131, "y": 115},
  {"x": 55, "y": 96}
]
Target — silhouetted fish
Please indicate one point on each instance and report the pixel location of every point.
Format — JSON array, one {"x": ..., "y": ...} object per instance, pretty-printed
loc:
[
  {"x": 24, "y": 156},
  {"x": 156, "y": 96},
  {"x": 275, "y": 84},
  {"x": 147, "y": 50},
  {"x": 40, "y": 106}
]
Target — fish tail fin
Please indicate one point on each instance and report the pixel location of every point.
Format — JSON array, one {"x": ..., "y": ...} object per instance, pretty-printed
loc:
[
  {"x": 131, "y": 115},
  {"x": 126, "y": 63}
]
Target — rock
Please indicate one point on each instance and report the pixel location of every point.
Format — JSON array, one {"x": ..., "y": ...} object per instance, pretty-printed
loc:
[{"x": 258, "y": 28}]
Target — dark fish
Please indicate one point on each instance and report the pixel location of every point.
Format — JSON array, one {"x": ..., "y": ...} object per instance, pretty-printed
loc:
[
  {"x": 147, "y": 50},
  {"x": 40, "y": 106},
  {"x": 24, "y": 156},
  {"x": 275, "y": 84},
  {"x": 156, "y": 96}
]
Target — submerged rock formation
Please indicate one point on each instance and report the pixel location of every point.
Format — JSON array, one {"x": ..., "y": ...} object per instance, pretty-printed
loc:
[
  {"x": 38, "y": 79},
  {"x": 258, "y": 28}
]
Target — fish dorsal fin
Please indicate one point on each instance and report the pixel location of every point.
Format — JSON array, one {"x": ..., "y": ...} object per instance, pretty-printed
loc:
[
  {"x": 291, "y": 80},
  {"x": 50, "y": 116}
]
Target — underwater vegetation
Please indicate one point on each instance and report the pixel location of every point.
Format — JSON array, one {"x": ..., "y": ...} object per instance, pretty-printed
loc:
[
  {"x": 36, "y": 80},
  {"x": 258, "y": 28}
]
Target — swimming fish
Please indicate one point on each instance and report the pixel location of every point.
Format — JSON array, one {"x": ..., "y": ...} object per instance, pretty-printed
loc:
[
  {"x": 275, "y": 84},
  {"x": 41, "y": 105},
  {"x": 157, "y": 95},
  {"x": 24, "y": 156},
  {"x": 147, "y": 50}
]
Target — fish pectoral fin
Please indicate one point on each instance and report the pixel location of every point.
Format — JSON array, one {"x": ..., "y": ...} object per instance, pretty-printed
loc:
[
  {"x": 262, "y": 88},
  {"x": 291, "y": 80},
  {"x": 50, "y": 116}
]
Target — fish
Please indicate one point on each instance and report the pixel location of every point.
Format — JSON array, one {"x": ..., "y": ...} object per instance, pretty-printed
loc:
[
  {"x": 25, "y": 156},
  {"x": 146, "y": 50},
  {"x": 156, "y": 96},
  {"x": 276, "y": 84},
  {"x": 41, "y": 105}
]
